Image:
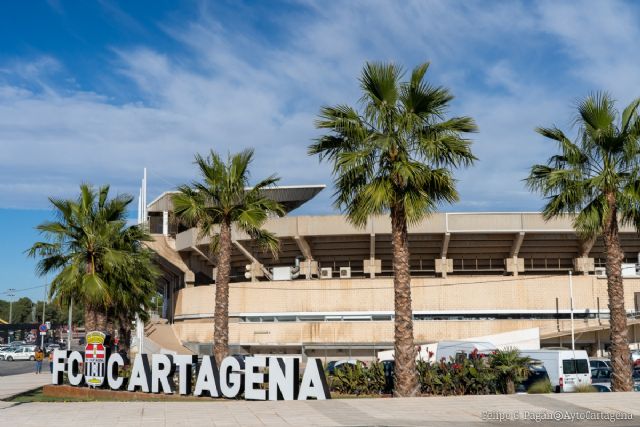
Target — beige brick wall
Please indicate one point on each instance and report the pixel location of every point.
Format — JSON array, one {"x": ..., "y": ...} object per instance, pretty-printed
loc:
[
  {"x": 452, "y": 293},
  {"x": 361, "y": 332}
]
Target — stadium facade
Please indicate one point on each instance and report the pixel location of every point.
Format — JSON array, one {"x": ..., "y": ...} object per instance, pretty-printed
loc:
[{"x": 330, "y": 291}]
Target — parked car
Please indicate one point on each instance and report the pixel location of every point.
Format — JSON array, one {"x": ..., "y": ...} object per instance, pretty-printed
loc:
[
  {"x": 335, "y": 365},
  {"x": 602, "y": 388},
  {"x": 537, "y": 373},
  {"x": 26, "y": 352},
  {"x": 54, "y": 346},
  {"x": 635, "y": 357},
  {"x": 599, "y": 363},
  {"x": 602, "y": 376}
]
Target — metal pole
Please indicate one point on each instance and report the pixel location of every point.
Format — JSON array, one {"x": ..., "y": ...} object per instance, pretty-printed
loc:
[
  {"x": 11, "y": 294},
  {"x": 573, "y": 338},
  {"x": 44, "y": 305},
  {"x": 69, "y": 324}
]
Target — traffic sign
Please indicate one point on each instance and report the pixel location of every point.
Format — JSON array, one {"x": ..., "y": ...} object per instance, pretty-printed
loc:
[
  {"x": 43, "y": 333},
  {"x": 43, "y": 328}
]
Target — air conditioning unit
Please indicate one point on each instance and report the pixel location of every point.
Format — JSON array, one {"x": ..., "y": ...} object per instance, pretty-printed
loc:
[
  {"x": 345, "y": 272},
  {"x": 326, "y": 273},
  {"x": 601, "y": 271}
]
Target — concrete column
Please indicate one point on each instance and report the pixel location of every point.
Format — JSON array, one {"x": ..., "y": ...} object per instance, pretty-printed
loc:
[
  {"x": 444, "y": 266},
  {"x": 584, "y": 265},
  {"x": 514, "y": 265},
  {"x": 165, "y": 223}
]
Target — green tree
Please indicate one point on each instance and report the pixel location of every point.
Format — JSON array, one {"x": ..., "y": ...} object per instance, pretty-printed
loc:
[
  {"x": 597, "y": 179},
  {"x": 395, "y": 157},
  {"x": 222, "y": 200},
  {"x": 510, "y": 368},
  {"x": 98, "y": 261}
]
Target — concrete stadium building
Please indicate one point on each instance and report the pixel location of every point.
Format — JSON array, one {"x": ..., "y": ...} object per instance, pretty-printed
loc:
[{"x": 330, "y": 291}]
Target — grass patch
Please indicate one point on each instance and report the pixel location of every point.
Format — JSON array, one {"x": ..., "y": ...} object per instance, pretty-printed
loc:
[
  {"x": 585, "y": 388},
  {"x": 540, "y": 387},
  {"x": 37, "y": 396}
]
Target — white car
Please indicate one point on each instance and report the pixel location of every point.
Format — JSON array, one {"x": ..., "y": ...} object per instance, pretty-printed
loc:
[{"x": 20, "y": 353}]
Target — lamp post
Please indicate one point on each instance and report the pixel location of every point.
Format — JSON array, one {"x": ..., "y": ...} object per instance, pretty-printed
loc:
[
  {"x": 69, "y": 324},
  {"x": 44, "y": 305},
  {"x": 573, "y": 338},
  {"x": 11, "y": 294}
]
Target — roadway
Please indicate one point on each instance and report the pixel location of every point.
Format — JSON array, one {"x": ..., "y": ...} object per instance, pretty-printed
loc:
[{"x": 17, "y": 367}]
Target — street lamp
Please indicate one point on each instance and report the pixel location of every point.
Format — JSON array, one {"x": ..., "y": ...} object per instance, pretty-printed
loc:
[
  {"x": 573, "y": 337},
  {"x": 11, "y": 294}
]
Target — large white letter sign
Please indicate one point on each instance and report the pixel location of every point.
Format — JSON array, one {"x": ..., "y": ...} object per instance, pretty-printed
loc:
[
  {"x": 59, "y": 359},
  {"x": 230, "y": 377},
  {"x": 162, "y": 371},
  {"x": 253, "y": 378},
  {"x": 185, "y": 363},
  {"x": 114, "y": 380},
  {"x": 283, "y": 378},
  {"x": 140, "y": 374},
  {"x": 74, "y": 372},
  {"x": 207, "y": 383},
  {"x": 314, "y": 383}
]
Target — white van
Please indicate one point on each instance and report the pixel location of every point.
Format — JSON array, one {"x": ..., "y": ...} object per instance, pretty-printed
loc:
[{"x": 566, "y": 368}]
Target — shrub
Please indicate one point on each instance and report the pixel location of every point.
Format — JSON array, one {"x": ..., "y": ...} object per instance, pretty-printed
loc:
[
  {"x": 539, "y": 387},
  {"x": 585, "y": 388},
  {"x": 358, "y": 379},
  {"x": 456, "y": 377},
  {"x": 510, "y": 368}
]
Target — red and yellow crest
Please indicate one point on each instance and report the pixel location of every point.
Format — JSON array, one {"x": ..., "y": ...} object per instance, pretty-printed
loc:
[{"x": 95, "y": 356}]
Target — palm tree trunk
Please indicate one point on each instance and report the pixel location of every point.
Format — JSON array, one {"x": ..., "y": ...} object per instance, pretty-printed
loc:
[
  {"x": 619, "y": 333},
  {"x": 89, "y": 319},
  {"x": 101, "y": 320},
  {"x": 124, "y": 334},
  {"x": 221, "y": 321},
  {"x": 406, "y": 383},
  {"x": 110, "y": 326}
]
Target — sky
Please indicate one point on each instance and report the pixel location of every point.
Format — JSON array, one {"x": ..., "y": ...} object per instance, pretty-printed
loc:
[{"x": 94, "y": 91}]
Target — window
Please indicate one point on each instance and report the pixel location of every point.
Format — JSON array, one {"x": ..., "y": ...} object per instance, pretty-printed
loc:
[
  {"x": 582, "y": 366},
  {"x": 573, "y": 366}
]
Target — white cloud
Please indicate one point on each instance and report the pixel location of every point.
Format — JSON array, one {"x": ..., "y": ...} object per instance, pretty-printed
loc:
[{"x": 228, "y": 90}]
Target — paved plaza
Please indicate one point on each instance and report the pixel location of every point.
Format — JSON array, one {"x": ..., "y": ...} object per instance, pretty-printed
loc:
[
  {"x": 11, "y": 385},
  {"x": 427, "y": 411}
]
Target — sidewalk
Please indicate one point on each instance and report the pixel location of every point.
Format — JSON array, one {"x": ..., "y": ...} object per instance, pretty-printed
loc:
[
  {"x": 15, "y": 384},
  {"x": 426, "y": 411}
]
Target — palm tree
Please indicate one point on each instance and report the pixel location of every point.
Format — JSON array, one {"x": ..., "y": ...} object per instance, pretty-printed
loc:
[
  {"x": 395, "y": 157},
  {"x": 220, "y": 201},
  {"x": 510, "y": 367},
  {"x": 98, "y": 260},
  {"x": 597, "y": 178}
]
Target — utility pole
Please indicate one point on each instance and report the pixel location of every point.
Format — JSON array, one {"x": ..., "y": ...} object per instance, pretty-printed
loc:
[
  {"x": 573, "y": 338},
  {"x": 44, "y": 305},
  {"x": 11, "y": 293},
  {"x": 69, "y": 324}
]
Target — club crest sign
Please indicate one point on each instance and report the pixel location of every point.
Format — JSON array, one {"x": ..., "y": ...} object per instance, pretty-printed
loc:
[{"x": 95, "y": 356}]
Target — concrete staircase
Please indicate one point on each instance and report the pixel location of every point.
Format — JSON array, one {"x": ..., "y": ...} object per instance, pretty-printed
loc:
[{"x": 160, "y": 338}]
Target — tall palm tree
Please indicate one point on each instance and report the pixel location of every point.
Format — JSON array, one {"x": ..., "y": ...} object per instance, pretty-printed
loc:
[
  {"x": 97, "y": 259},
  {"x": 598, "y": 178},
  {"x": 220, "y": 201},
  {"x": 395, "y": 157}
]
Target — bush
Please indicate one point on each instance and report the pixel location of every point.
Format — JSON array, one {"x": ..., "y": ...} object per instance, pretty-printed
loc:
[
  {"x": 585, "y": 388},
  {"x": 540, "y": 387},
  {"x": 510, "y": 368},
  {"x": 358, "y": 379},
  {"x": 465, "y": 376}
]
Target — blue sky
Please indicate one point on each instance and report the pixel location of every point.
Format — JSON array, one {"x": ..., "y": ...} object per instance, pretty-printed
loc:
[{"x": 94, "y": 91}]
